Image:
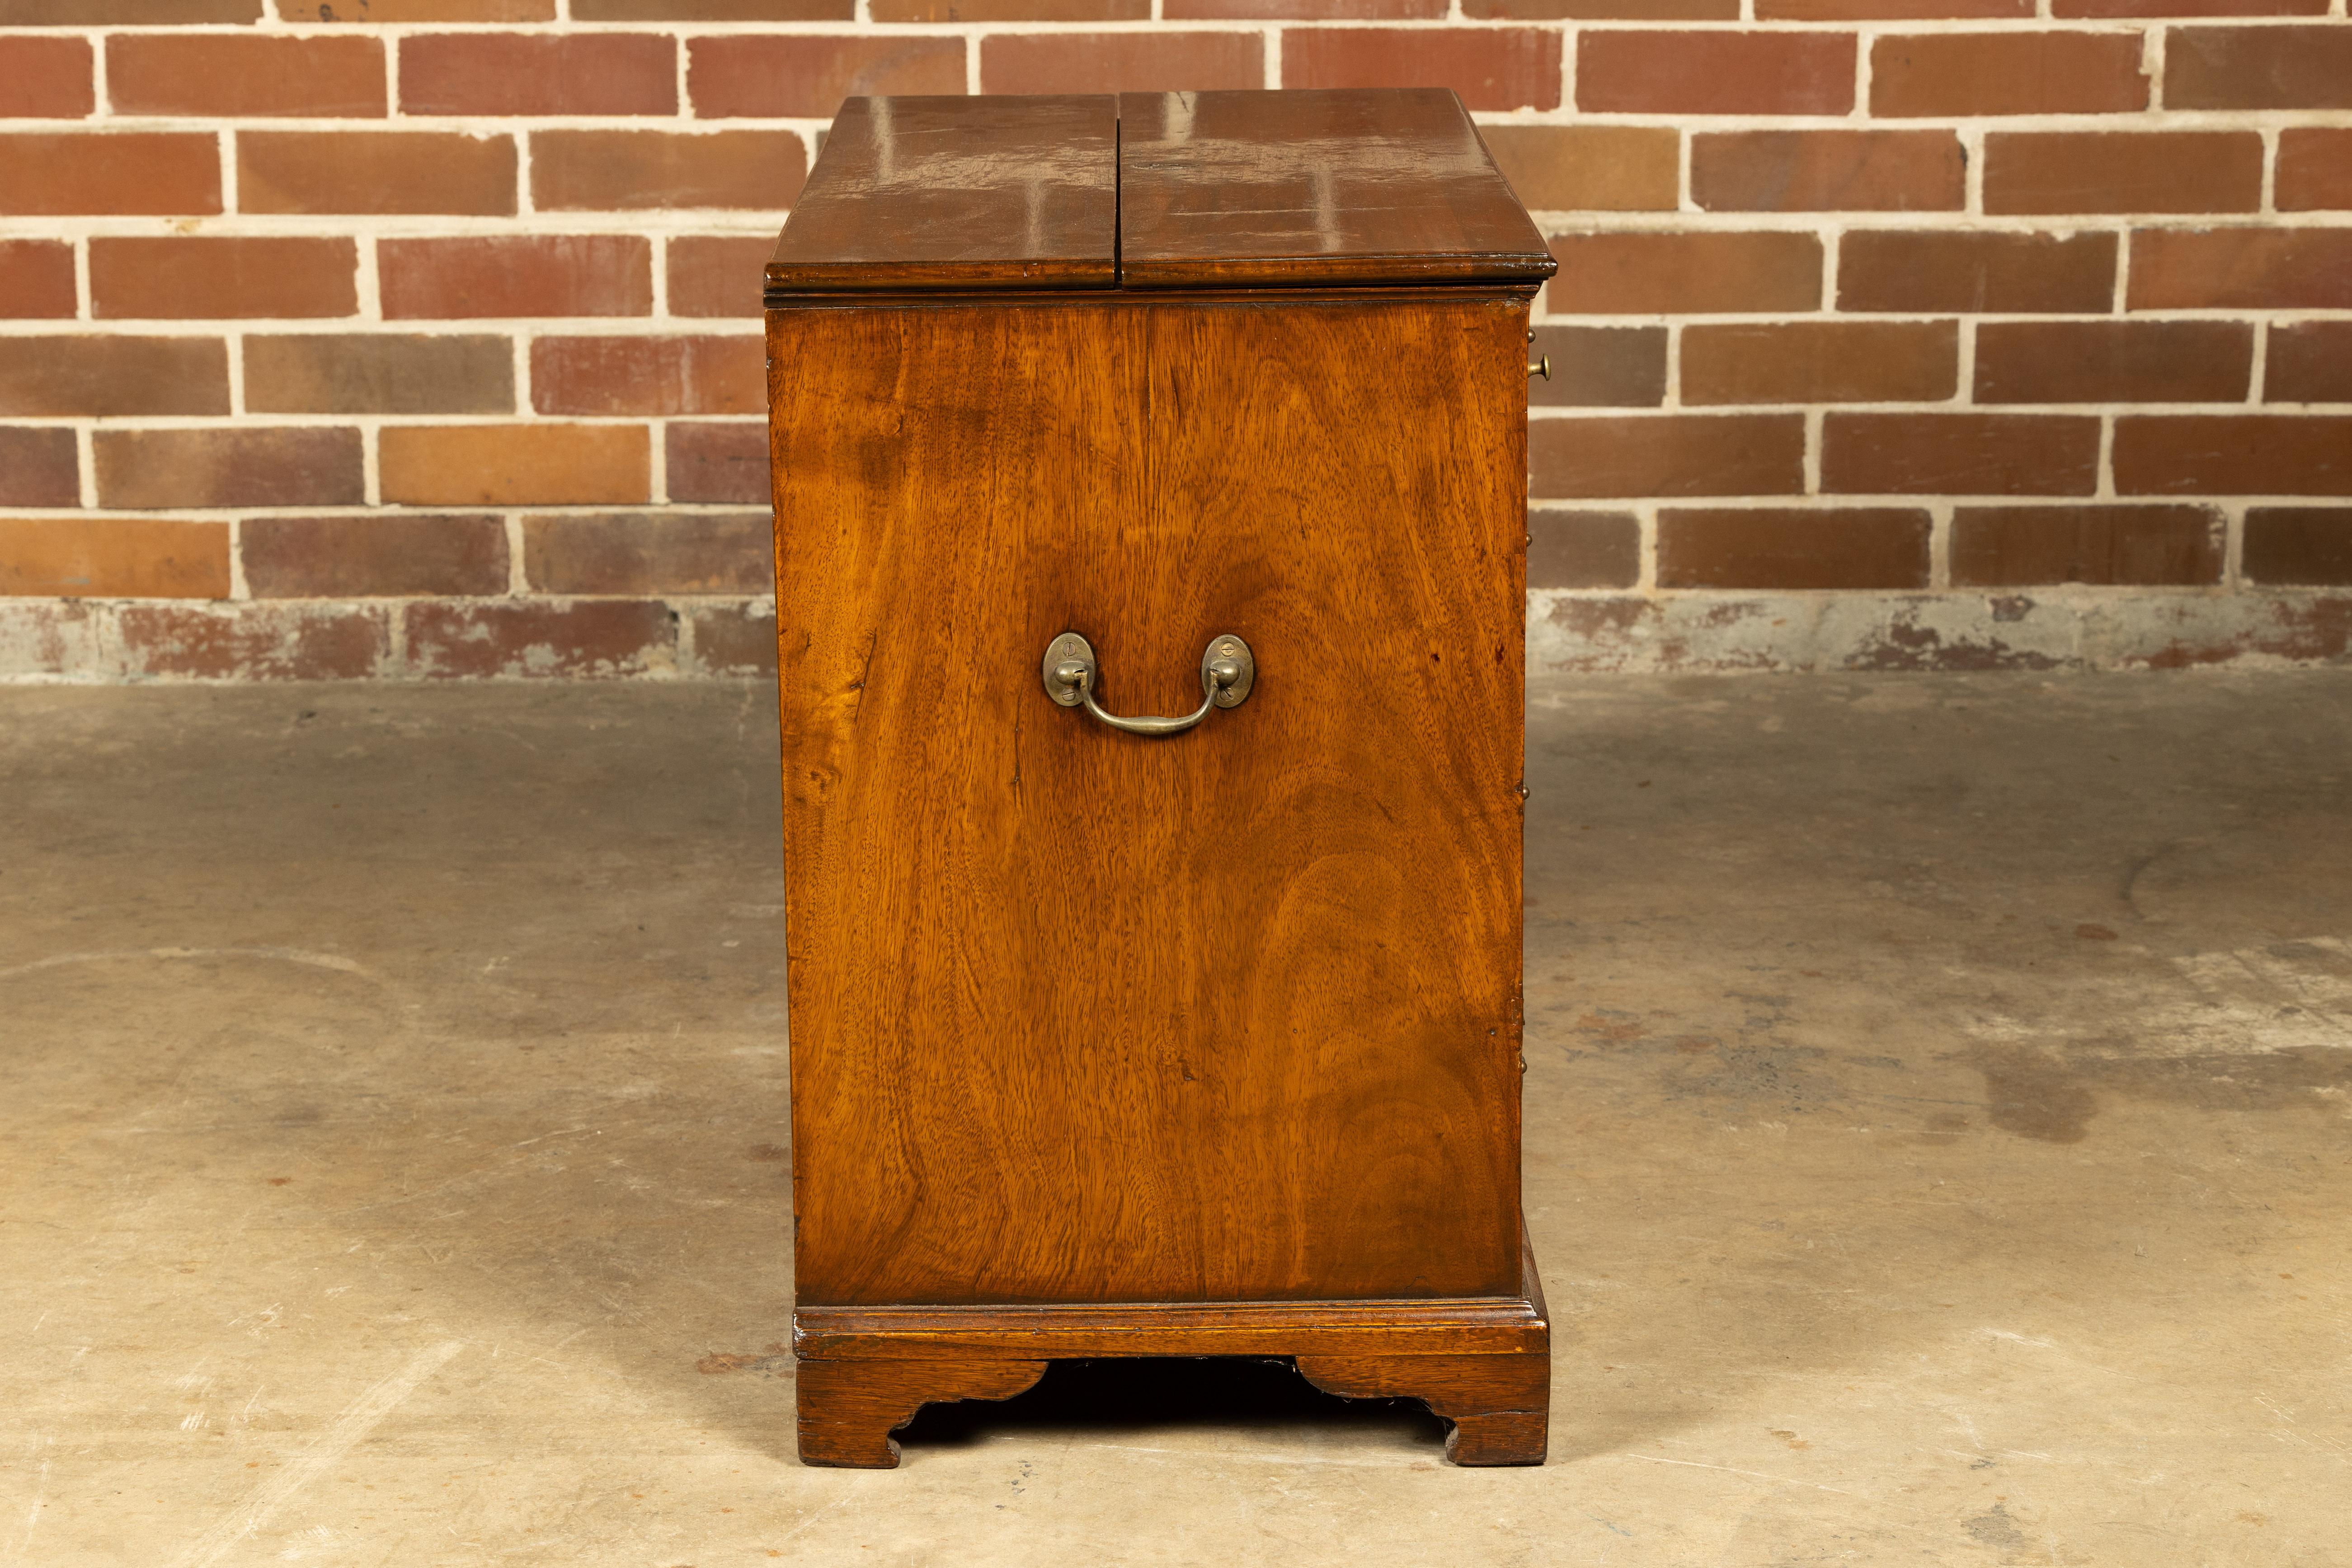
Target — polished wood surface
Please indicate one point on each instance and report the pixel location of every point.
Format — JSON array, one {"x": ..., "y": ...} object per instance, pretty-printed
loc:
[
  {"x": 966, "y": 193},
  {"x": 1497, "y": 1406},
  {"x": 848, "y": 1409},
  {"x": 1485, "y": 1366},
  {"x": 1154, "y": 191},
  {"x": 1200, "y": 1044},
  {"x": 1278, "y": 188},
  {"x": 1081, "y": 1017},
  {"x": 1456, "y": 1326}
]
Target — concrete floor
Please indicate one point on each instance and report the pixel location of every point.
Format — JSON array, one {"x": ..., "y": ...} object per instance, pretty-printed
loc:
[{"x": 1939, "y": 1150}]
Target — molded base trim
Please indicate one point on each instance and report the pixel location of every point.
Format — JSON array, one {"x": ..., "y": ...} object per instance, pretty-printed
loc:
[{"x": 1481, "y": 1362}]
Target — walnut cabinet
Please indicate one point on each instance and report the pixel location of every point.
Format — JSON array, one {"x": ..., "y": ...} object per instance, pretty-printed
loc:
[{"x": 1150, "y": 526}]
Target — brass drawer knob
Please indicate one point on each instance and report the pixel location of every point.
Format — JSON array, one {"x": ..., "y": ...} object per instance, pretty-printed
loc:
[
  {"x": 1227, "y": 672},
  {"x": 1541, "y": 367}
]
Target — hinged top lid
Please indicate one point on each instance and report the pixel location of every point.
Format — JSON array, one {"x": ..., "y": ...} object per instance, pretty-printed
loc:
[
  {"x": 959, "y": 193},
  {"x": 1362, "y": 186},
  {"x": 1174, "y": 190}
]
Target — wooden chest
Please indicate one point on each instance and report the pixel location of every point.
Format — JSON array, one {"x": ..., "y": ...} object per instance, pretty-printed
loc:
[{"x": 1196, "y": 1042}]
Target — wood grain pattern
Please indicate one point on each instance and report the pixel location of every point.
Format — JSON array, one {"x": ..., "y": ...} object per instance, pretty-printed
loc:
[
  {"x": 1472, "y": 1325},
  {"x": 848, "y": 1409},
  {"x": 1459, "y": 1326},
  {"x": 1086, "y": 1018},
  {"x": 1154, "y": 191},
  {"x": 1498, "y": 1406},
  {"x": 1483, "y": 1364},
  {"x": 1278, "y": 188},
  {"x": 968, "y": 193},
  {"x": 1303, "y": 294}
]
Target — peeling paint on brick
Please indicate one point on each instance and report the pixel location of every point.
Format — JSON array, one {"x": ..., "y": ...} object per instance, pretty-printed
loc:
[
  {"x": 2056, "y": 629},
  {"x": 94, "y": 641},
  {"x": 735, "y": 638}
]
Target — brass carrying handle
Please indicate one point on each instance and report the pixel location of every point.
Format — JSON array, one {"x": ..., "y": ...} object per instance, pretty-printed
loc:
[{"x": 1227, "y": 672}]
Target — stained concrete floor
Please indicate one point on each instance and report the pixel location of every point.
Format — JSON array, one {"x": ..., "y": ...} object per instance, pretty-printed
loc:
[{"x": 1939, "y": 1150}]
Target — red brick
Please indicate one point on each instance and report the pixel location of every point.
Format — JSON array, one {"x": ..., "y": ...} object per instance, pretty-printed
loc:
[
  {"x": 361, "y": 557},
  {"x": 189, "y": 277},
  {"x": 513, "y": 465},
  {"x": 1488, "y": 68},
  {"x": 114, "y": 557},
  {"x": 1599, "y": 367},
  {"x": 1011, "y": 11},
  {"x": 1859, "y": 547},
  {"x": 2136, "y": 8},
  {"x": 1714, "y": 73},
  {"x": 1892, "y": 10},
  {"x": 311, "y": 12},
  {"x": 1946, "y": 74},
  {"x": 1822, "y": 361},
  {"x": 2113, "y": 362},
  {"x": 1605, "y": 10},
  {"x": 1583, "y": 549},
  {"x": 2242, "y": 454},
  {"x": 1589, "y": 168},
  {"x": 593, "y": 637},
  {"x": 46, "y": 79},
  {"x": 619, "y": 170},
  {"x": 650, "y": 553},
  {"x": 1120, "y": 62},
  {"x": 720, "y": 462},
  {"x": 130, "y": 172},
  {"x": 2314, "y": 169},
  {"x": 1667, "y": 455},
  {"x": 1672, "y": 274},
  {"x": 224, "y": 74},
  {"x": 379, "y": 372},
  {"x": 62, "y": 378},
  {"x": 519, "y": 274},
  {"x": 649, "y": 375},
  {"x": 2128, "y": 546},
  {"x": 2301, "y": 545},
  {"x": 714, "y": 10},
  {"x": 249, "y": 466},
  {"x": 37, "y": 278},
  {"x": 376, "y": 172},
  {"x": 1828, "y": 170},
  {"x": 809, "y": 75},
  {"x": 2258, "y": 269},
  {"x": 718, "y": 274},
  {"x": 1896, "y": 269},
  {"x": 1308, "y": 10},
  {"x": 2259, "y": 67},
  {"x": 732, "y": 641},
  {"x": 38, "y": 467},
  {"x": 1960, "y": 454},
  {"x": 2309, "y": 361},
  {"x": 256, "y": 642},
  {"x": 2164, "y": 172},
  {"x": 127, "y": 13},
  {"x": 526, "y": 73}
]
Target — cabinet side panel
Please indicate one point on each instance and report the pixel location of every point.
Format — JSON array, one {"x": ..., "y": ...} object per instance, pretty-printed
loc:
[
  {"x": 929, "y": 463},
  {"x": 1344, "y": 486},
  {"x": 1080, "y": 1016}
]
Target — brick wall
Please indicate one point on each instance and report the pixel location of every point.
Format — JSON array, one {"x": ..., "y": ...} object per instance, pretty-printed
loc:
[{"x": 419, "y": 337}]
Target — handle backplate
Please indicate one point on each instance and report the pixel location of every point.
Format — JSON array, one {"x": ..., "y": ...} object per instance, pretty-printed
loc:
[
  {"x": 1073, "y": 677},
  {"x": 1069, "y": 648}
]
